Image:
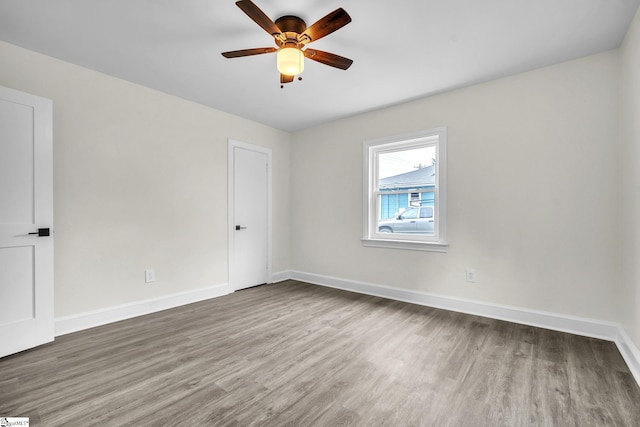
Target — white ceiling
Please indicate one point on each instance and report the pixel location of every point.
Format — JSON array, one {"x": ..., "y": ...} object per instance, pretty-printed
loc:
[{"x": 402, "y": 49}]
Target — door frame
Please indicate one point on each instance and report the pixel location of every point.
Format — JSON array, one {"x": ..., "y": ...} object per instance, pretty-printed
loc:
[{"x": 231, "y": 146}]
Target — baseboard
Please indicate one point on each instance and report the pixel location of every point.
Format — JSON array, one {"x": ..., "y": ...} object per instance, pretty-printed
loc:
[
  {"x": 559, "y": 322},
  {"x": 630, "y": 353},
  {"x": 91, "y": 319},
  {"x": 280, "y": 276}
]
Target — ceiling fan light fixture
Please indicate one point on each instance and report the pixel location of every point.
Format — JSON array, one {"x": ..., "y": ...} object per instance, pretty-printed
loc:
[
  {"x": 290, "y": 61},
  {"x": 291, "y": 34}
]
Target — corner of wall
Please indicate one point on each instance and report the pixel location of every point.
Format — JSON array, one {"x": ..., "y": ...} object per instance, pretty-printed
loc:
[{"x": 629, "y": 179}]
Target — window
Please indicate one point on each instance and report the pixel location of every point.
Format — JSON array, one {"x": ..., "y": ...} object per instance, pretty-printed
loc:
[
  {"x": 405, "y": 201},
  {"x": 415, "y": 199}
]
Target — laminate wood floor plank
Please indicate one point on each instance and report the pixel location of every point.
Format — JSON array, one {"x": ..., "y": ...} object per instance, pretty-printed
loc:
[{"x": 303, "y": 355}]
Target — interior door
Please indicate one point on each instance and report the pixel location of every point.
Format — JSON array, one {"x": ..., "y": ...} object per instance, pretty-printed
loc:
[
  {"x": 250, "y": 211},
  {"x": 26, "y": 207}
]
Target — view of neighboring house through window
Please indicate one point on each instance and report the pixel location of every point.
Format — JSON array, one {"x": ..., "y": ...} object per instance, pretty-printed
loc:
[
  {"x": 411, "y": 184},
  {"x": 405, "y": 199}
]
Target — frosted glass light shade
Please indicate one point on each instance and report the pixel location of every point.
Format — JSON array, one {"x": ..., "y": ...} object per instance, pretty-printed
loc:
[{"x": 290, "y": 61}]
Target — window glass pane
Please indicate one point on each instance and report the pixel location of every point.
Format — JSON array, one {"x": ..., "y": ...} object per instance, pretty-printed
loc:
[
  {"x": 396, "y": 163},
  {"x": 406, "y": 181},
  {"x": 426, "y": 212},
  {"x": 410, "y": 214},
  {"x": 405, "y": 220}
]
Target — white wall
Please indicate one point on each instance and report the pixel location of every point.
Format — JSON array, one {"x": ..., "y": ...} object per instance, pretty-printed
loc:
[
  {"x": 533, "y": 178},
  {"x": 630, "y": 156},
  {"x": 140, "y": 181}
]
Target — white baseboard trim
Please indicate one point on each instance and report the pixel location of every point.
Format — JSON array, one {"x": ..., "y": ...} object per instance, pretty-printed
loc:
[
  {"x": 630, "y": 353},
  {"x": 558, "y": 322},
  {"x": 280, "y": 276},
  {"x": 91, "y": 319}
]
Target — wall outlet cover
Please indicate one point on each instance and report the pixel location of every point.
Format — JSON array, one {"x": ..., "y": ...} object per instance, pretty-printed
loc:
[{"x": 472, "y": 276}]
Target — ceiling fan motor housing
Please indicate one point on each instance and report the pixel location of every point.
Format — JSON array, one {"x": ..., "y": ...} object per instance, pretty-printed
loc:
[{"x": 291, "y": 24}]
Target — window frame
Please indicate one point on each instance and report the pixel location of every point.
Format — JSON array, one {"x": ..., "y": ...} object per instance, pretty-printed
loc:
[{"x": 371, "y": 150}]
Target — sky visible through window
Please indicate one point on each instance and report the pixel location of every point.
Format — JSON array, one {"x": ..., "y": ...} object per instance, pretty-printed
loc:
[{"x": 398, "y": 162}]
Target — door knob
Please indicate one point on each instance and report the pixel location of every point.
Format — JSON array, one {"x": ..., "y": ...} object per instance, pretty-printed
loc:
[
  {"x": 238, "y": 227},
  {"x": 42, "y": 232}
]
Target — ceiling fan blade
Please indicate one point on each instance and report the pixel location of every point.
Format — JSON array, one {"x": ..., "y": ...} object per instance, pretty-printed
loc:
[
  {"x": 327, "y": 58},
  {"x": 327, "y": 25},
  {"x": 285, "y": 79},
  {"x": 248, "y": 52},
  {"x": 258, "y": 16}
]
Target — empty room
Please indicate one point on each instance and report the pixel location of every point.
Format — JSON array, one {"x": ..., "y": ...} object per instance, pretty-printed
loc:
[{"x": 271, "y": 212}]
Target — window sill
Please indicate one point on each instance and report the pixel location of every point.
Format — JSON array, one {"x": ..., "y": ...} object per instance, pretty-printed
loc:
[{"x": 406, "y": 244}]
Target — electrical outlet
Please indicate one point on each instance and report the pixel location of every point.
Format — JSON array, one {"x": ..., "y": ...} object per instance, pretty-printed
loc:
[
  {"x": 472, "y": 277},
  {"x": 149, "y": 275}
]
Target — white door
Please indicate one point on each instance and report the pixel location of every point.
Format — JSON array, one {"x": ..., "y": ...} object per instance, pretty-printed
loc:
[
  {"x": 249, "y": 215},
  {"x": 26, "y": 207}
]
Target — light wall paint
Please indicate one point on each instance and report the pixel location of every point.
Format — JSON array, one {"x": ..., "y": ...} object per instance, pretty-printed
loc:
[
  {"x": 630, "y": 180},
  {"x": 140, "y": 181},
  {"x": 532, "y": 177}
]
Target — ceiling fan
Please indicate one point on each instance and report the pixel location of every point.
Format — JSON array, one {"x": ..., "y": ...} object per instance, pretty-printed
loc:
[{"x": 291, "y": 34}]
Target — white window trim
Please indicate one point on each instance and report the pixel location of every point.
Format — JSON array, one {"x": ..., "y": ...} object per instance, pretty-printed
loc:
[{"x": 371, "y": 237}]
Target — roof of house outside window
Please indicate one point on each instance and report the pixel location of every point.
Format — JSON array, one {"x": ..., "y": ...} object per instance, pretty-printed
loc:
[{"x": 419, "y": 178}]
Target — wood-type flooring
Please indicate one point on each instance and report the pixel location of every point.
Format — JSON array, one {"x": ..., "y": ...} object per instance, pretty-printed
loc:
[{"x": 295, "y": 354}]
